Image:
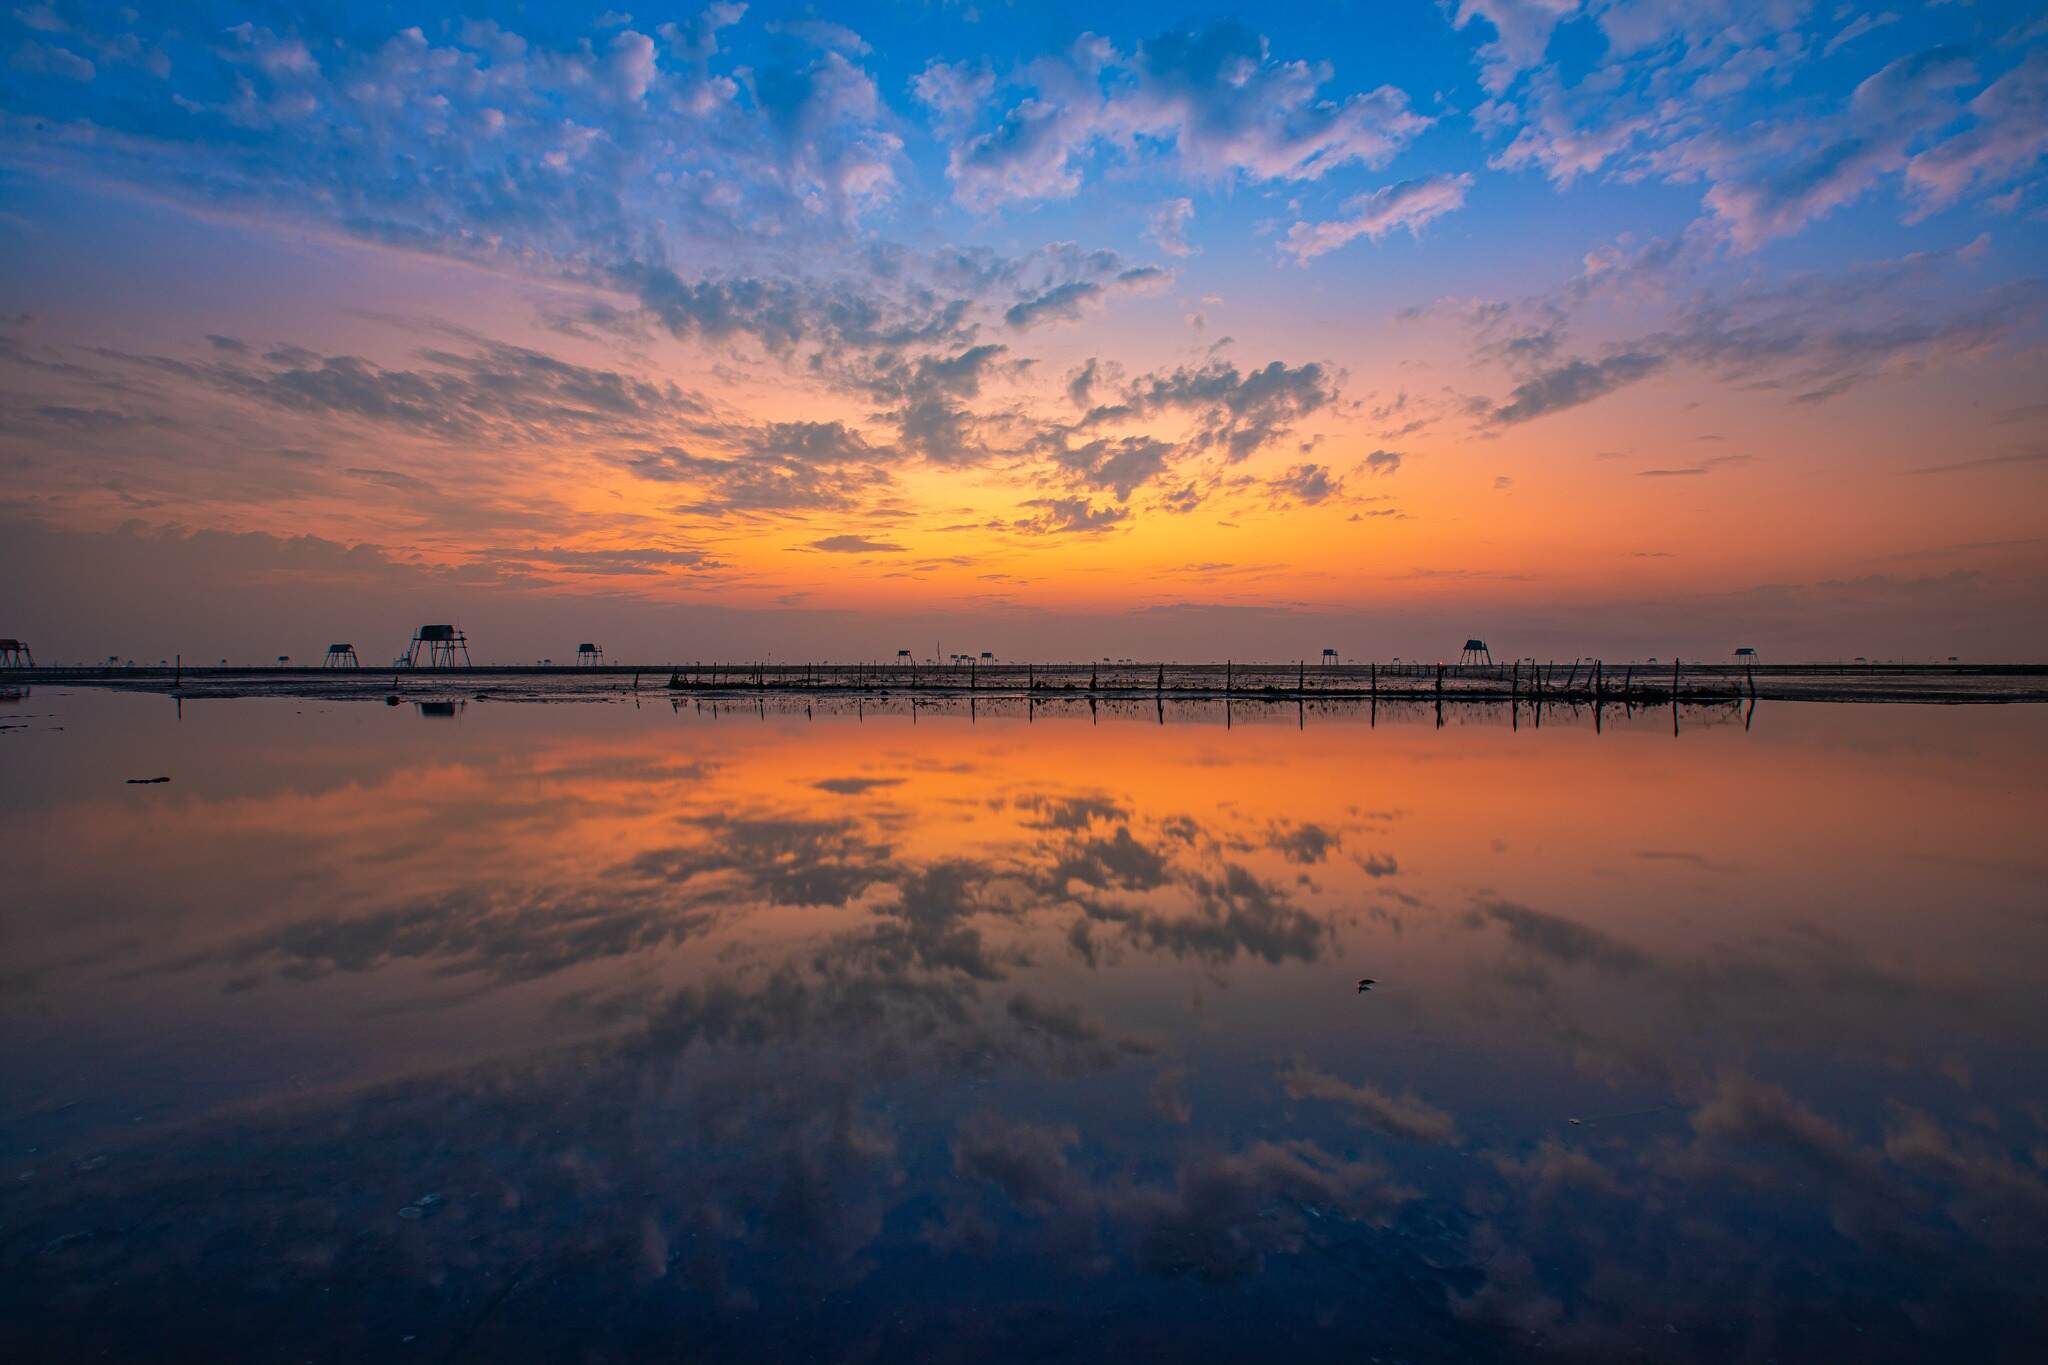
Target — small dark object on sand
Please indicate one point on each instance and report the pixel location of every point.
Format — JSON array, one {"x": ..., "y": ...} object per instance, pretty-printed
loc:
[
  {"x": 146, "y": 781},
  {"x": 391, "y": 700},
  {"x": 1365, "y": 983}
]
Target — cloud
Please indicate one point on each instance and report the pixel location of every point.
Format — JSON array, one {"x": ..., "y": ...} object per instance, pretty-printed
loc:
[
  {"x": 784, "y": 467},
  {"x": 1409, "y": 204},
  {"x": 1058, "y": 516},
  {"x": 487, "y": 391},
  {"x": 1888, "y": 110},
  {"x": 1383, "y": 462},
  {"x": 823, "y": 33},
  {"x": 1027, "y": 1162},
  {"x": 1167, "y": 226},
  {"x": 1224, "y": 1214},
  {"x": 1307, "y": 843},
  {"x": 1402, "y": 1117},
  {"x": 1856, "y": 28},
  {"x": 855, "y": 545},
  {"x": 1235, "y": 411},
  {"x": 1693, "y": 97},
  {"x": 955, "y": 92},
  {"x": 2024, "y": 457},
  {"x": 1693, "y": 470},
  {"x": 1305, "y": 485},
  {"x": 1563, "y": 941},
  {"x": 856, "y": 786},
  {"x": 1572, "y": 384},
  {"x": 1522, "y": 30},
  {"x": 1213, "y": 104},
  {"x": 1119, "y": 465},
  {"x": 1068, "y": 302},
  {"x": 2007, "y": 135}
]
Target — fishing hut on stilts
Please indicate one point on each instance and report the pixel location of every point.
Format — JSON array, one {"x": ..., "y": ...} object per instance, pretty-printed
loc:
[{"x": 437, "y": 647}]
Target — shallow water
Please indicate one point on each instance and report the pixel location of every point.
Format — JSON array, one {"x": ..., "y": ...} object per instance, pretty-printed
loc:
[{"x": 625, "y": 1032}]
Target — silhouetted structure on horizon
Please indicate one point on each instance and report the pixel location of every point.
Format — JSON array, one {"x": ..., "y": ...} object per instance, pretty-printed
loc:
[
  {"x": 1475, "y": 652},
  {"x": 16, "y": 654},
  {"x": 341, "y": 656},
  {"x": 588, "y": 654},
  {"x": 438, "y": 645}
]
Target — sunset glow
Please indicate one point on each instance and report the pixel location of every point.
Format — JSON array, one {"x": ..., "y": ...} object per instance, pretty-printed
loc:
[{"x": 1631, "y": 328}]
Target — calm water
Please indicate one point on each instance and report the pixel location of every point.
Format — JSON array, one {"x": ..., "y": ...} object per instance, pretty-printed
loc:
[{"x": 599, "y": 1032}]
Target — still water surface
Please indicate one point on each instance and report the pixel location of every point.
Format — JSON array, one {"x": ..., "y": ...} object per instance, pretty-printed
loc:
[{"x": 603, "y": 1032}]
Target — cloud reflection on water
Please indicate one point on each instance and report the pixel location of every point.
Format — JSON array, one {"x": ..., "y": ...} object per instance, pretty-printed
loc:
[{"x": 831, "y": 1041}]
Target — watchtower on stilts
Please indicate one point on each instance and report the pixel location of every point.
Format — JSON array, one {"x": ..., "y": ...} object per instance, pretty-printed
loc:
[
  {"x": 16, "y": 654},
  {"x": 1475, "y": 652},
  {"x": 437, "y": 647},
  {"x": 589, "y": 655},
  {"x": 341, "y": 656}
]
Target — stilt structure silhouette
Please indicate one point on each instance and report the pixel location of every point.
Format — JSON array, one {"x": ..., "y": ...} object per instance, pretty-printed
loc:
[
  {"x": 16, "y": 654},
  {"x": 1475, "y": 652},
  {"x": 341, "y": 656},
  {"x": 1330, "y": 657},
  {"x": 589, "y": 655},
  {"x": 438, "y": 646}
]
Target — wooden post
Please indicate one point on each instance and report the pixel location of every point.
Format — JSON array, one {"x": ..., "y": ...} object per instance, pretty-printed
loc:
[
  {"x": 1301, "y": 675},
  {"x": 1030, "y": 678},
  {"x": 1439, "y": 679},
  {"x": 1160, "y": 686},
  {"x": 1226, "y": 684},
  {"x": 1091, "y": 680},
  {"x": 1375, "y": 676},
  {"x": 1515, "y": 682},
  {"x": 179, "y": 680},
  {"x": 1674, "y": 680},
  {"x": 972, "y": 665}
]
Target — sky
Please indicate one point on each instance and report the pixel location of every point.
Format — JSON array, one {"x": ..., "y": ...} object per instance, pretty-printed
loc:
[{"x": 1615, "y": 327}]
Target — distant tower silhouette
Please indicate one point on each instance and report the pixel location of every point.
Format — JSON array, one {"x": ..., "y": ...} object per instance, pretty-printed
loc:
[
  {"x": 1330, "y": 656},
  {"x": 15, "y": 654},
  {"x": 1475, "y": 652},
  {"x": 589, "y": 654},
  {"x": 341, "y": 656},
  {"x": 440, "y": 645},
  {"x": 1747, "y": 654}
]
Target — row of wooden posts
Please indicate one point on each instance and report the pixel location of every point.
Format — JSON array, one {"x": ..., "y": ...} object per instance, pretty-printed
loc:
[{"x": 1540, "y": 683}]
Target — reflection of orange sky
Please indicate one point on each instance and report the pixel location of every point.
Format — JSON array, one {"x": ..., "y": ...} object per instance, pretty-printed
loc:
[{"x": 1824, "y": 814}]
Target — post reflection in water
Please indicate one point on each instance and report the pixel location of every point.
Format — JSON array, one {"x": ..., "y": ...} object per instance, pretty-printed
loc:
[{"x": 609, "y": 1032}]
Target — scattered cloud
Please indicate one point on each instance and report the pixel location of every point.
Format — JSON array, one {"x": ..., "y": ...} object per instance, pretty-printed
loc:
[{"x": 1409, "y": 204}]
